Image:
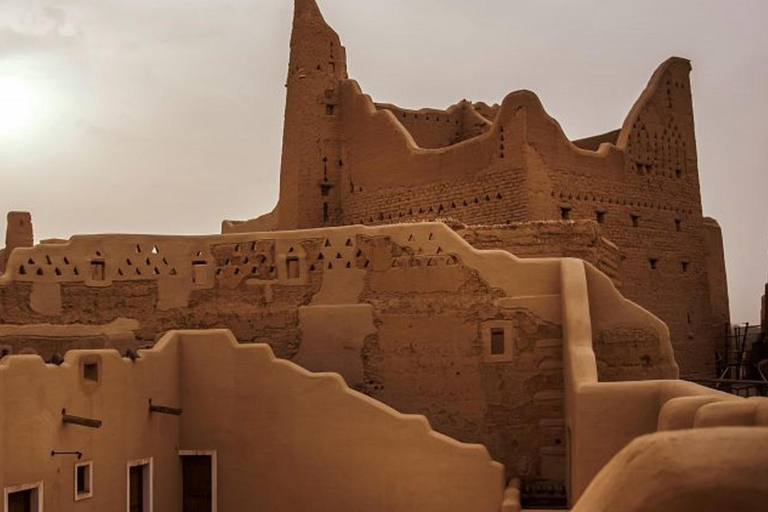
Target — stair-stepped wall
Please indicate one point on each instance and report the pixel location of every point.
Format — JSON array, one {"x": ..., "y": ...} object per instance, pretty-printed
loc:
[
  {"x": 410, "y": 314},
  {"x": 308, "y": 442},
  {"x": 285, "y": 439}
]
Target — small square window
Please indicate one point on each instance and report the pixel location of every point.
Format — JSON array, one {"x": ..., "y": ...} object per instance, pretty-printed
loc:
[
  {"x": 330, "y": 109},
  {"x": 83, "y": 480},
  {"x": 654, "y": 263},
  {"x": 91, "y": 372},
  {"x": 497, "y": 342},
  {"x": 601, "y": 217},
  {"x": 635, "y": 221},
  {"x": 685, "y": 266},
  {"x": 565, "y": 213}
]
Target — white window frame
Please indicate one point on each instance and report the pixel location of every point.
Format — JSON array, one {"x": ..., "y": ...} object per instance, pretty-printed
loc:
[
  {"x": 214, "y": 472},
  {"x": 148, "y": 483},
  {"x": 37, "y": 499},
  {"x": 89, "y": 494}
]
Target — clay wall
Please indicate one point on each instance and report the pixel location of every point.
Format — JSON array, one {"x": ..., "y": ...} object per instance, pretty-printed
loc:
[
  {"x": 549, "y": 239},
  {"x": 644, "y": 192},
  {"x": 718, "y": 280},
  {"x": 311, "y": 160},
  {"x": 604, "y": 417},
  {"x": 594, "y": 143},
  {"x": 407, "y": 314},
  {"x": 434, "y": 129},
  {"x": 18, "y": 233},
  {"x": 488, "y": 112},
  {"x": 345, "y": 450},
  {"x": 388, "y": 177},
  {"x": 640, "y": 182},
  {"x": 651, "y": 208}
]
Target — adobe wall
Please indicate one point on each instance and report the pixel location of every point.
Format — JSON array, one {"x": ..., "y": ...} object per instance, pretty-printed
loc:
[
  {"x": 713, "y": 469},
  {"x": 433, "y": 128},
  {"x": 718, "y": 280},
  {"x": 33, "y": 396},
  {"x": 382, "y": 164},
  {"x": 604, "y": 417},
  {"x": 18, "y": 233},
  {"x": 405, "y": 313},
  {"x": 650, "y": 207},
  {"x": 284, "y": 439},
  {"x": 644, "y": 191},
  {"x": 549, "y": 239}
]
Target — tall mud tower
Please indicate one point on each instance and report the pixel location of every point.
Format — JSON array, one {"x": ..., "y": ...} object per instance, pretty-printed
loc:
[{"x": 312, "y": 159}]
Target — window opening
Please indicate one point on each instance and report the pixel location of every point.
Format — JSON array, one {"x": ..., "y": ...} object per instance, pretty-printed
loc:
[
  {"x": 83, "y": 481},
  {"x": 294, "y": 269},
  {"x": 497, "y": 342},
  {"x": 91, "y": 372}
]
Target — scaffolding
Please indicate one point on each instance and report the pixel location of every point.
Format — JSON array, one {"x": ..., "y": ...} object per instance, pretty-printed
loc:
[{"x": 741, "y": 362}]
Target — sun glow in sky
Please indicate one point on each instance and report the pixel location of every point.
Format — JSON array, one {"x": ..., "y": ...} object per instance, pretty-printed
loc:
[
  {"x": 22, "y": 108},
  {"x": 167, "y": 116}
]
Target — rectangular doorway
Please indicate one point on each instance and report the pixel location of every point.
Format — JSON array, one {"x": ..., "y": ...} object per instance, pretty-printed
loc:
[
  {"x": 199, "y": 481},
  {"x": 140, "y": 486},
  {"x": 24, "y": 498}
]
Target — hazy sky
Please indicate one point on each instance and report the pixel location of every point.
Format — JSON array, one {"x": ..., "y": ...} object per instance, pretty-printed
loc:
[{"x": 165, "y": 116}]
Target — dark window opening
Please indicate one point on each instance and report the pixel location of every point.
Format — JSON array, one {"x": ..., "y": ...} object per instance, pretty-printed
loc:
[
  {"x": 325, "y": 189},
  {"x": 678, "y": 173},
  {"x": 601, "y": 217},
  {"x": 330, "y": 109},
  {"x": 635, "y": 221},
  {"x": 685, "y": 265},
  {"x": 136, "y": 491},
  {"x": 91, "y": 372},
  {"x": 654, "y": 263},
  {"x": 21, "y": 501},
  {"x": 294, "y": 268},
  {"x": 83, "y": 479},
  {"x": 565, "y": 213},
  {"x": 678, "y": 225},
  {"x": 497, "y": 342}
]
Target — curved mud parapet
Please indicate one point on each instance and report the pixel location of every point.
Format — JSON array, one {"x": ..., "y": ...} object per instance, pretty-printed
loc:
[
  {"x": 266, "y": 222},
  {"x": 709, "y": 470},
  {"x": 285, "y": 439},
  {"x": 604, "y": 417},
  {"x": 630, "y": 343}
]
